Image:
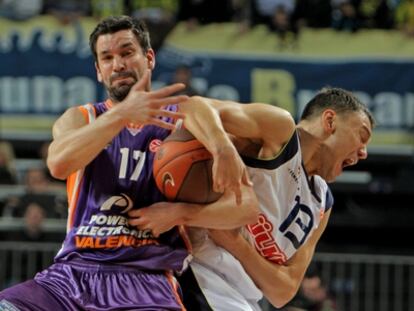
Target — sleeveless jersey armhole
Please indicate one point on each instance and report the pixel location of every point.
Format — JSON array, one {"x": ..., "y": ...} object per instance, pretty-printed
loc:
[{"x": 88, "y": 111}]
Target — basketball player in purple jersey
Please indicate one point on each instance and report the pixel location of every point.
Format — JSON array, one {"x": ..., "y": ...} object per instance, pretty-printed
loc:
[{"x": 105, "y": 151}]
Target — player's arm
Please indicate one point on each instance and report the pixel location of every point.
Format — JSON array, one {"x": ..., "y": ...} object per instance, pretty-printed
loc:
[
  {"x": 221, "y": 214},
  {"x": 76, "y": 143},
  {"x": 209, "y": 120},
  {"x": 279, "y": 283},
  {"x": 267, "y": 125},
  {"x": 203, "y": 121}
]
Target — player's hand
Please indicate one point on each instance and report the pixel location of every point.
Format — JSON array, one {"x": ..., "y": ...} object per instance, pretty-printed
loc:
[
  {"x": 147, "y": 107},
  {"x": 229, "y": 172},
  {"x": 158, "y": 217}
]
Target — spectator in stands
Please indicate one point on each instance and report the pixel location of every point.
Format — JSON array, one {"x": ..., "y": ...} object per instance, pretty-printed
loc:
[
  {"x": 7, "y": 171},
  {"x": 30, "y": 261},
  {"x": 34, "y": 217},
  {"x": 67, "y": 11},
  {"x": 20, "y": 10},
  {"x": 36, "y": 180},
  {"x": 313, "y": 294},
  {"x": 39, "y": 190},
  {"x": 104, "y": 8},
  {"x": 33, "y": 231},
  {"x": 283, "y": 25},
  {"x": 49, "y": 194},
  {"x": 313, "y": 13},
  {"x": 201, "y": 12},
  {"x": 378, "y": 13},
  {"x": 404, "y": 17},
  {"x": 11, "y": 206},
  {"x": 277, "y": 16},
  {"x": 345, "y": 15},
  {"x": 159, "y": 15},
  {"x": 183, "y": 74},
  {"x": 242, "y": 14}
]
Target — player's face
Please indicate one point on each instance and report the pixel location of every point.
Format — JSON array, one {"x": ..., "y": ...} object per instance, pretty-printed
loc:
[
  {"x": 121, "y": 62},
  {"x": 346, "y": 145}
]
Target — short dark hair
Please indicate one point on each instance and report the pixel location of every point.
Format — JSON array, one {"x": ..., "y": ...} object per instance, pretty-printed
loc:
[
  {"x": 337, "y": 99},
  {"x": 114, "y": 24}
]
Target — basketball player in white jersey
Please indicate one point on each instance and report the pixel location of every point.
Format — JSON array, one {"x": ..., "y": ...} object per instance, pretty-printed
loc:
[{"x": 289, "y": 168}]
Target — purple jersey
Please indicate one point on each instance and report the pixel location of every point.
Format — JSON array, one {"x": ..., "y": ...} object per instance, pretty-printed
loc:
[{"x": 100, "y": 195}]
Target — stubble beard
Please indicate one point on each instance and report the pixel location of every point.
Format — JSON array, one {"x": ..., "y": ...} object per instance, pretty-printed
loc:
[{"x": 120, "y": 92}]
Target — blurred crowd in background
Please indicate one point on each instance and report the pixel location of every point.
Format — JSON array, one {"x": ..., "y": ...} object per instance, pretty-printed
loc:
[
  {"x": 284, "y": 17},
  {"x": 28, "y": 192}
]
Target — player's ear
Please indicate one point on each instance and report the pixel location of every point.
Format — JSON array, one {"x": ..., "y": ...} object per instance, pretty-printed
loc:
[
  {"x": 151, "y": 59},
  {"x": 329, "y": 121},
  {"x": 98, "y": 72}
]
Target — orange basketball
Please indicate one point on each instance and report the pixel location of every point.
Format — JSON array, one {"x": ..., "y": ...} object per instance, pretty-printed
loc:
[{"x": 182, "y": 169}]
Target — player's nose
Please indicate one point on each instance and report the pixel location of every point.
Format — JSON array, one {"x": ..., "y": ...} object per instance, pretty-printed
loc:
[{"x": 118, "y": 64}]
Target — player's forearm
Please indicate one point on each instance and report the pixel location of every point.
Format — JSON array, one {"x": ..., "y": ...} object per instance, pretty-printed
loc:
[
  {"x": 222, "y": 214},
  {"x": 74, "y": 149},
  {"x": 203, "y": 121},
  {"x": 277, "y": 282}
]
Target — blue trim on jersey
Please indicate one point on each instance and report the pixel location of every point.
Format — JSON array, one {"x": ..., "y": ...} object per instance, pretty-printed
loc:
[
  {"x": 329, "y": 200},
  {"x": 311, "y": 185},
  {"x": 287, "y": 153}
]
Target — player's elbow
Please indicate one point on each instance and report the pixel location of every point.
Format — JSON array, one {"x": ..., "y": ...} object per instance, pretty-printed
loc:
[
  {"x": 281, "y": 295},
  {"x": 252, "y": 215},
  {"x": 58, "y": 169},
  {"x": 279, "y": 303},
  {"x": 190, "y": 102},
  {"x": 279, "y": 300}
]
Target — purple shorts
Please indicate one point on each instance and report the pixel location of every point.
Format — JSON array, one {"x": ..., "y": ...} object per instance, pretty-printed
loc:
[{"x": 92, "y": 286}]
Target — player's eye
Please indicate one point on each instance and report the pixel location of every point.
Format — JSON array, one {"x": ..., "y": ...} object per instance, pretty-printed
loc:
[
  {"x": 127, "y": 53},
  {"x": 106, "y": 58}
]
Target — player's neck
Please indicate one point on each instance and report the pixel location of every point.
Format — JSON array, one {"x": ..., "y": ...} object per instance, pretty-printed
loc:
[{"x": 309, "y": 145}]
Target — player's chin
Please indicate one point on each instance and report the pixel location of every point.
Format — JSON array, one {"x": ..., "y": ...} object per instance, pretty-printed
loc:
[
  {"x": 332, "y": 177},
  {"x": 120, "y": 92}
]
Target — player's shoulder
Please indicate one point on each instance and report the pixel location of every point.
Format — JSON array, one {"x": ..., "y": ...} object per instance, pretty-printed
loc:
[{"x": 290, "y": 152}]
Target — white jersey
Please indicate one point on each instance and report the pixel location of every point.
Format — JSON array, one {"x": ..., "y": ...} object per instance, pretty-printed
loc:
[
  {"x": 291, "y": 207},
  {"x": 291, "y": 203}
]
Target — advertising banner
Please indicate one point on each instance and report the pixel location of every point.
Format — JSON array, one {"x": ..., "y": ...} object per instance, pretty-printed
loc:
[{"x": 46, "y": 67}]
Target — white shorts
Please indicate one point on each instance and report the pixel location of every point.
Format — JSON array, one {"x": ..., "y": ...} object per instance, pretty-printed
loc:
[{"x": 222, "y": 280}]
